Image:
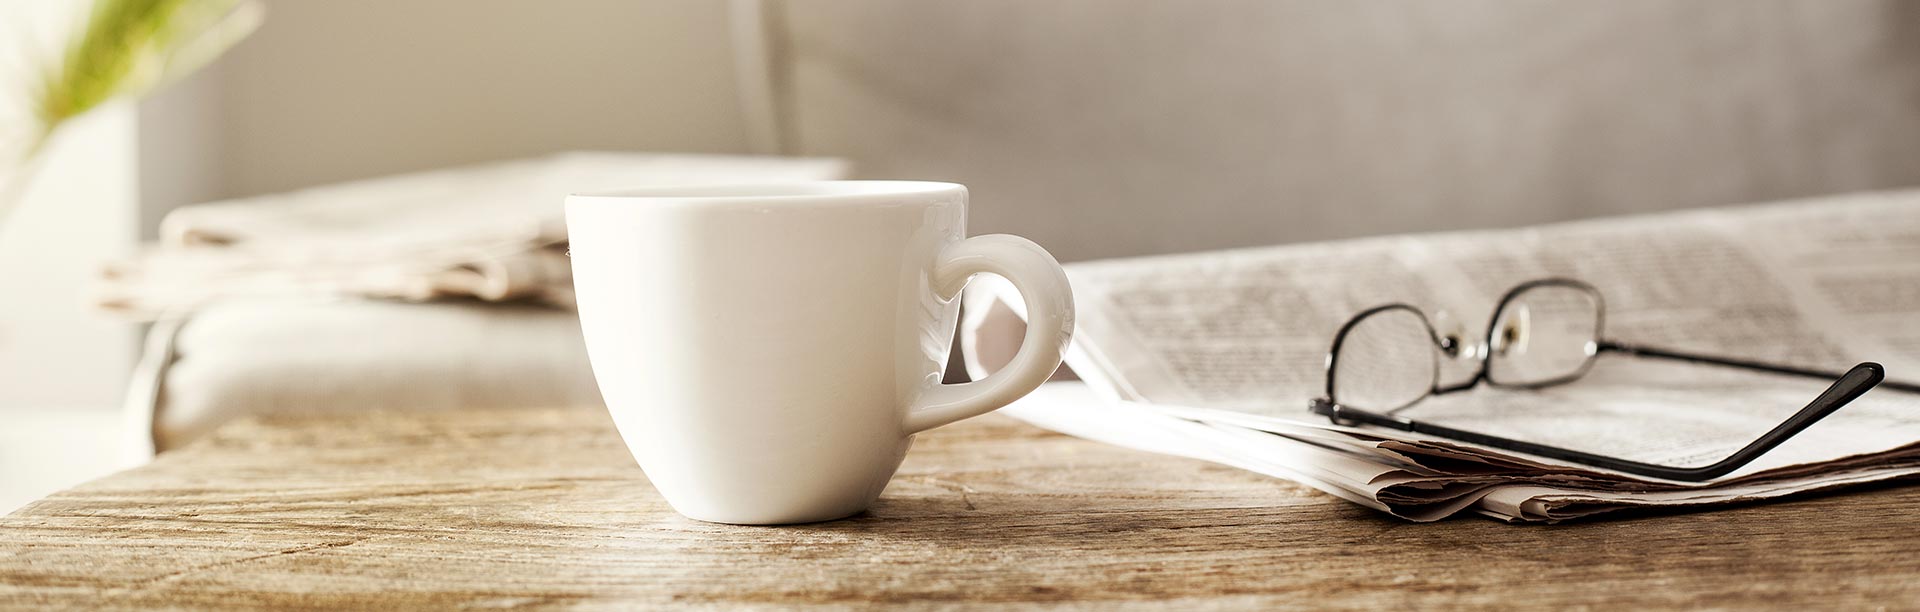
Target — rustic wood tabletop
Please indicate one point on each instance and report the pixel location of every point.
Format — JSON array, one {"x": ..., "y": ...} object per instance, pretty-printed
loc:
[{"x": 545, "y": 508}]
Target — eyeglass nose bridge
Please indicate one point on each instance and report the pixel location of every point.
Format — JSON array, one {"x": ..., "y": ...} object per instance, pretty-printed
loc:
[{"x": 1451, "y": 337}]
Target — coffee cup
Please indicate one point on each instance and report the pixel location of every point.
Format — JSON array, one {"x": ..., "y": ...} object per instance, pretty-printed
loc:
[{"x": 769, "y": 351}]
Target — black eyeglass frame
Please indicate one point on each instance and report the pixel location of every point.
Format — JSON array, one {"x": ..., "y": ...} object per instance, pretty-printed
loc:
[{"x": 1846, "y": 387}]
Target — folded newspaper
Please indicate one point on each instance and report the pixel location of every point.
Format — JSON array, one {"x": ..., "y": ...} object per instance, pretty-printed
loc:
[
  {"x": 1216, "y": 355},
  {"x": 490, "y": 231}
]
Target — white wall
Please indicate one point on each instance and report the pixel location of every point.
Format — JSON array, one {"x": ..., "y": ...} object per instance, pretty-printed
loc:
[
  {"x": 56, "y": 353},
  {"x": 76, "y": 213},
  {"x": 342, "y": 89}
]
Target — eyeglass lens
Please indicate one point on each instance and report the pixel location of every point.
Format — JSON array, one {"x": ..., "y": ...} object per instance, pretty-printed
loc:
[
  {"x": 1386, "y": 360},
  {"x": 1543, "y": 334}
]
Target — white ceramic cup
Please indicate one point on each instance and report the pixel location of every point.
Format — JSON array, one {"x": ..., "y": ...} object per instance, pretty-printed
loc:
[{"x": 769, "y": 351}]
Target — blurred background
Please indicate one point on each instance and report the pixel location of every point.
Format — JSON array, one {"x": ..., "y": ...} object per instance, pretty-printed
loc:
[{"x": 1096, "y": 128}]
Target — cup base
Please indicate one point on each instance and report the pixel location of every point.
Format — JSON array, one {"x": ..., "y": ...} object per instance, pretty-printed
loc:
[
  {"x": 842, "y": 486},
  {"x": 769, "y": 520}
]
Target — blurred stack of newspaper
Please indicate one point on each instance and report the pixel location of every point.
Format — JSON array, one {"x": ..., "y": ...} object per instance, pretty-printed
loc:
[
  {"x": 1216, "y": 356},
  {"x": 491, "y": 232}
]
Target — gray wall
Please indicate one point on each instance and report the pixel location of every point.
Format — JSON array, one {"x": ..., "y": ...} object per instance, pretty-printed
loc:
[{"x": 1119, "y": 127}]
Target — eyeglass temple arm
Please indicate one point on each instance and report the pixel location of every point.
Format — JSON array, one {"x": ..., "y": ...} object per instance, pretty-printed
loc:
[
  {"x": 1643, "y": 351},
  {"x": 1849, "y": 387}
]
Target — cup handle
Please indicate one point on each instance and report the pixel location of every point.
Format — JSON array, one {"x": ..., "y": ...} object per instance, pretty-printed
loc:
[{"x": 1042, "y": 285}]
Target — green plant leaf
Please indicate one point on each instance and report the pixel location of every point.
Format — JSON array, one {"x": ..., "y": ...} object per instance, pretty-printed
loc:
[
  {"x": 130, "y": 47},
  {"x": 127, "y": 48}
]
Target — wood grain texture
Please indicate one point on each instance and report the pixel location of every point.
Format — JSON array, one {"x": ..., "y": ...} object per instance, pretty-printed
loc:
[{"x": 538, "y": 509}]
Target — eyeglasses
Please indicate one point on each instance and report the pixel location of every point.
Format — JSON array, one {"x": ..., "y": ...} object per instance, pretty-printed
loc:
[{"x": 1543, "y": 333}]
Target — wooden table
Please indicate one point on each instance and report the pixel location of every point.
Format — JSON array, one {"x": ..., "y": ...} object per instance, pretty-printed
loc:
[{"x": 535, "y": 509}]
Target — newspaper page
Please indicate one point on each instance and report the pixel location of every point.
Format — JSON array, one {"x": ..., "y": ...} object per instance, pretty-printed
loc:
[
  {"x": 1238, "y": 339},
  {"x": 1821, "y": 285}
]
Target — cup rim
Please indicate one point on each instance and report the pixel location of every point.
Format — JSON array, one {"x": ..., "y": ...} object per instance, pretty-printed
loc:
[{"x": 793, "y": 191}]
